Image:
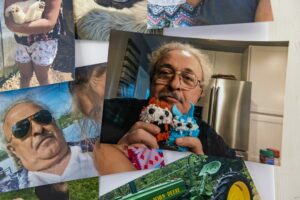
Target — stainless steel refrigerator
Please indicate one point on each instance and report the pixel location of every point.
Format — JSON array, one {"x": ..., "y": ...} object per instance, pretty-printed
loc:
[{"x": 226, "y": 107}]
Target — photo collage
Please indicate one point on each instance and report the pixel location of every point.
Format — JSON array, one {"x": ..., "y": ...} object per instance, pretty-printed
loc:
[{"x": 168, "y": 114}]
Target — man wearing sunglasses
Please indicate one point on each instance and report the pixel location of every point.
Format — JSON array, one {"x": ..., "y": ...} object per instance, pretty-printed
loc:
[
  {"x": 34, "y": 138},
  {"x": 179, "y": 73}
]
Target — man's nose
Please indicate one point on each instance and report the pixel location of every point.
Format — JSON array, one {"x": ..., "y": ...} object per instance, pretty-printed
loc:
[
  {"x": 175, "y": 83},
  {"x": 36, "y": 128}
]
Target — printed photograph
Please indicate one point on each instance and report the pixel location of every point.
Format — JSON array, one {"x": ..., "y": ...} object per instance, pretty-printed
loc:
[
  {"x": 95, "y": 18},
  {"x": 191, "y": 95},
  {"x": 193, "y": 177},
  {"x": 48, "y": 133},
  {"x": 183, "y": 13},
  {"x": 72, "y": 190},
  {"x": 37, "y": 43}
]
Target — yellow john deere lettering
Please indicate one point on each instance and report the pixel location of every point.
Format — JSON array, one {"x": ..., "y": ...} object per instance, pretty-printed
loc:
[
  {"x": 173, "y": 192},
  {"x": 160, "y": 197}
]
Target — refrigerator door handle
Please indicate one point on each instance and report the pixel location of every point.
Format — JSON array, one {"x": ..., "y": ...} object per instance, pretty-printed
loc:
[
  {"x": 215, "y": 107},
  {"x": 210, "y": 107}
]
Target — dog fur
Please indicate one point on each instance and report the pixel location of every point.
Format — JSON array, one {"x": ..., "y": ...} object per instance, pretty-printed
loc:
[{"x": 95, "y": 22}]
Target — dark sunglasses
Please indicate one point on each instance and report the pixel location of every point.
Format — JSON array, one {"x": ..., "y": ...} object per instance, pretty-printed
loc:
[{"x": 21, "y": 128}]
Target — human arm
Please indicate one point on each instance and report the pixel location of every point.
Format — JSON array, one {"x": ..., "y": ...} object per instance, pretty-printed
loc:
[
  {"x": 264, "y": 11},
  {"x": 111, "y": 159},
  {"x": 43, "y": 25}
]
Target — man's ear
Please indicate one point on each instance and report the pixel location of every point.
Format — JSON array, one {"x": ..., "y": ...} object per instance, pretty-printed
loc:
[{"x": 11, "y": 149}]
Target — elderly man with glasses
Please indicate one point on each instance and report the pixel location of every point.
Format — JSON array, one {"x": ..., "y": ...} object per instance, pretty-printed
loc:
[
  {"x": 33, "y": 137},
  {"x": 179, "y": 73}
]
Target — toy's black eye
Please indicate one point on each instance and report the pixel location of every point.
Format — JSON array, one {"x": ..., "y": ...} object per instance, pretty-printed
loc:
[
  {"x": 179, "y": 124},
  {"x": 167, "y": 113},
  {"x": 151, "y": 111},
  {"x": 189, "y": 125},
  {"x": 161, "y": 117}
]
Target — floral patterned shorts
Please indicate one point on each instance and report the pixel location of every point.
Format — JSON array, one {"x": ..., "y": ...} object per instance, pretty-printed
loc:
[{"x": 41, "y": 53}]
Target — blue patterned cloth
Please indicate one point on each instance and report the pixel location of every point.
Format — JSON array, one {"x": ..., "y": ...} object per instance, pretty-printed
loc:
[
  {"x": 209, "y": 12},
  {"x": 160, "y": 16}
]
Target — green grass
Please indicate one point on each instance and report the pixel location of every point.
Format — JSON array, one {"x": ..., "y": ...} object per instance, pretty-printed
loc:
[{"x": 85, "y": 189}]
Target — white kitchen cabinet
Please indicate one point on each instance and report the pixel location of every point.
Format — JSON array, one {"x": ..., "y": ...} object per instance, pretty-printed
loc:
[
  {"x": 228, "y": 63},
  {"x": 265, "y": 132},
  {"x": 265, "y": 67}
]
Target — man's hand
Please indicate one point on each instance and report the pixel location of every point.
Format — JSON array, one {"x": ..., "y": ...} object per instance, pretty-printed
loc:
[
  {"x": 142, "y": 133},
  {"x": 192, "y": 143}
]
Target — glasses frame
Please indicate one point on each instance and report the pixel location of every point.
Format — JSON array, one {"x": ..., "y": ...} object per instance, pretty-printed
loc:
[
  {"x": 176, "y": 72},
  {"x": 28, "y": 119}
]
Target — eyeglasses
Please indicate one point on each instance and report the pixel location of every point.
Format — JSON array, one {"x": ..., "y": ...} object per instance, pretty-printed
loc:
[
  {"x": 21, "y": 128},
  {"x": 164, "y": 75}
]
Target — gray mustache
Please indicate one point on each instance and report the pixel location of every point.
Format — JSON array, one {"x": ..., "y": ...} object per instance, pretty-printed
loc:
[{"x": 170, "y": 94}]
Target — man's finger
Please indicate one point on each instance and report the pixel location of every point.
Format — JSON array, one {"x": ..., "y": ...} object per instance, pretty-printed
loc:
[
  {"x": 151, "y": 128},
  {"x": 141, "y": 136},
  {"x": 192, "y": 143}
]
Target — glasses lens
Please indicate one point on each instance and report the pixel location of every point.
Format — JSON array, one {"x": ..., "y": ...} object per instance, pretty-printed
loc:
[
  {"x": 20, "y": 129},
  {"x": 189, "y": 79},
  {"x": 164, "y": 74},
  {"x": 43, "y": 117}
]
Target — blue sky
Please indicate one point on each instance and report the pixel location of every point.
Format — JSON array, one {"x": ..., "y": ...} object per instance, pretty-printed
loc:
[{"x": 56, "y": 97}]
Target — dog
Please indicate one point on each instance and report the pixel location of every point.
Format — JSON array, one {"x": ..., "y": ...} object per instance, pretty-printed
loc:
[{"x": 25, "y": 11}]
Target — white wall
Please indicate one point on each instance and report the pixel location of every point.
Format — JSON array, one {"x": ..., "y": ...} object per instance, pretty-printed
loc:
[{"x": 286, "y": 26}]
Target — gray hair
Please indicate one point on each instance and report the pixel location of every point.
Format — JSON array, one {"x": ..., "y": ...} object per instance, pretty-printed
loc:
[{"x": 203, "y": 59}]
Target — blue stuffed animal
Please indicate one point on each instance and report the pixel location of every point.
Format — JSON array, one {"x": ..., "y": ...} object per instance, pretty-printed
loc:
[{"x": 182, "y": 126}]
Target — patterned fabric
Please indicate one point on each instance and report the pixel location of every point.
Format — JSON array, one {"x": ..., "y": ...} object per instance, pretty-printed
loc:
[
  {"x": 145, "y": 158},
  {"x": 160, "y": 16},
  {"x": 42, "y": 53}
]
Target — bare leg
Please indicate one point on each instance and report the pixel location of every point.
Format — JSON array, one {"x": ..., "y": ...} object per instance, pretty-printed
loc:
[
  {"x": 26, "y": 71},
  {"x": 41, "y": 73}
]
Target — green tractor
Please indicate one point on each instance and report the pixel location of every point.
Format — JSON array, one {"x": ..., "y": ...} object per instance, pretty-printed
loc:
[{"x": 214, "y": 180}]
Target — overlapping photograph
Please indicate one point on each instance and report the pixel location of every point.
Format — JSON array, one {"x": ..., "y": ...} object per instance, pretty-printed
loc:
[
  {"x": 37, "y": 43},
  {"x": 192, "y": 177},
  {"x": 94, "y": 19},
  {"x": 48, "y": 133},
  {"x": 76, "y": 190},
  {"x": 190, "y": 95},
  {"x": 185, "y": 13}
]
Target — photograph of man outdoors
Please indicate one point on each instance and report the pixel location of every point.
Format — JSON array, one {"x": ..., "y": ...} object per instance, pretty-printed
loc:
[{"x": 48, "y": 133}]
